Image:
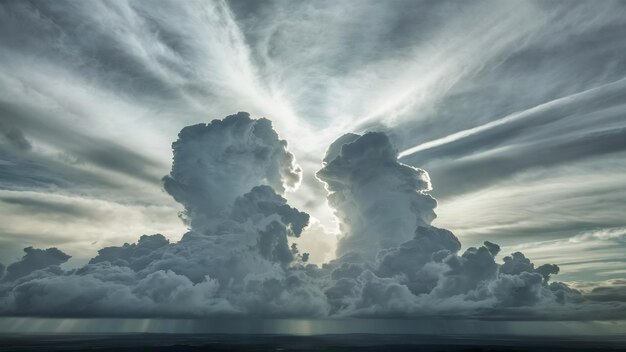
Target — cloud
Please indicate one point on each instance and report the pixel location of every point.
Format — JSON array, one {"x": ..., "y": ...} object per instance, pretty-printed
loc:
[
  {"x": 79, "y": 224},
  {"x": 34, "y": 259},
  {"x": 424, "y": 275},
  {"x": 137, "y": 73},
  {"x": 566, "y": 224},
  {"x": 237, "y": 259},
  {"x": 378, "y": 201},
  {"x": 237, "y": 248},
  {"x": 238, "y": 154},
  {"x": 34, "y": 206},
  {"x": 525, "y": 140},
  {"x": 20, "y": 173},
  {"x": 15, "y": 137},
  {"x": 616, "y": 292},
  {"x": 83, "y": 146}
]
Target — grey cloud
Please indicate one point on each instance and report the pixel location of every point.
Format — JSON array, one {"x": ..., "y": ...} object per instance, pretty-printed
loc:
[
  {"x": 481, "y": 156},
  {"x": 546, "y": 270},
  {"x": 569, "y": 111},
  {"x": 564, "y": 293},
  {"x": 34, "y": 259},
  {"x": 15, "y": 137},
  {"x": 273, "y": 244},
  {"x": 517, "y": 263},
  {"x": 174, "y": 66},
  {"x": 238, "y": 153},
  {"x": 571, "y": 53},
  {"x": 19, "y": 173},
  {"x": 230, "y": 261},
  {"x": 608, "y": 293},
  {"x": 237, "y": 260},
  {"x": 426, "y": 274},
  {"x": 524, "y": 289},
  {"x": 378, "y": 200},
  {"x": 468, "y": 273},
  {"x": 227, "y": 222},
  {"x": 351, "y": 54},
  {"x": 493, "y": 248},
  {"x": 481, "y": 171},
  {"x": 69, "y": 31},
  {"x": 106, "y": 292},
  {"x": 10, "y": 251},
  {"x": 135, "y": 256},
  {"x": 45, "y": 207},
  {"x": 43, "y": 172},
  {"x": 107, "y": 154},
  {"x": 430, "y": 244},
  {"x": 262, "y": 200}
]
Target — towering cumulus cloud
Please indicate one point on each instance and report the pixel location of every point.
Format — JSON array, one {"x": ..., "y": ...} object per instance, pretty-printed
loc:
[
  {"x": 216, "y": 163},
  {"x": 229, "y": 175},
  {"x": 379, "y": 201},
  {"x": 237, "y": 259},
  {"x": 394, "y": 263}
]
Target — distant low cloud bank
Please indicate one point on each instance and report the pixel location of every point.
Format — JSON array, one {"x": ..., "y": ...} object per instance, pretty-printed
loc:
[{"x": 237, "y": 260}]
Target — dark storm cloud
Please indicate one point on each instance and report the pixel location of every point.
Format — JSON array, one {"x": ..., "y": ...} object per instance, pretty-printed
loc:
[
  {"x": 237, "y": 260},
  {"x": 615, "y": 292},
  {"x": 34, "y": 259}
]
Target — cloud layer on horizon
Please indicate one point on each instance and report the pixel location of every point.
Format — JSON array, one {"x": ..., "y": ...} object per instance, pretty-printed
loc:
[{"x": 241, "y": 258}]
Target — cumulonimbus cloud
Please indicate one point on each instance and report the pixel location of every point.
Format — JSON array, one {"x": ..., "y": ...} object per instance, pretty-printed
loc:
[
  {"x": 236, "y": 259},
  {"x": 217, "y": 162},
  {"x": 378, "y": 200}
]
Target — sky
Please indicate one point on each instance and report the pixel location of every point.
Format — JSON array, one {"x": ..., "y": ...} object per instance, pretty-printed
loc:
[{"x": 514, "y": 110}]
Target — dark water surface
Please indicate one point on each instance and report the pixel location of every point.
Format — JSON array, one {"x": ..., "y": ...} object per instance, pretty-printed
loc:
[
  {"x": 48, "y": 334},
  {"x": 335, "y": 342},
  {"x": 307, "y": 327}
]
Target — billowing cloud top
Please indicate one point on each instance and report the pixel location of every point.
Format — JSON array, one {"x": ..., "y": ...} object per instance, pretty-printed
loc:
[
  {"x": 378, "y": 200},
  {"x": 237, "y": 258},
  {"x": 236, "y": 154}
]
